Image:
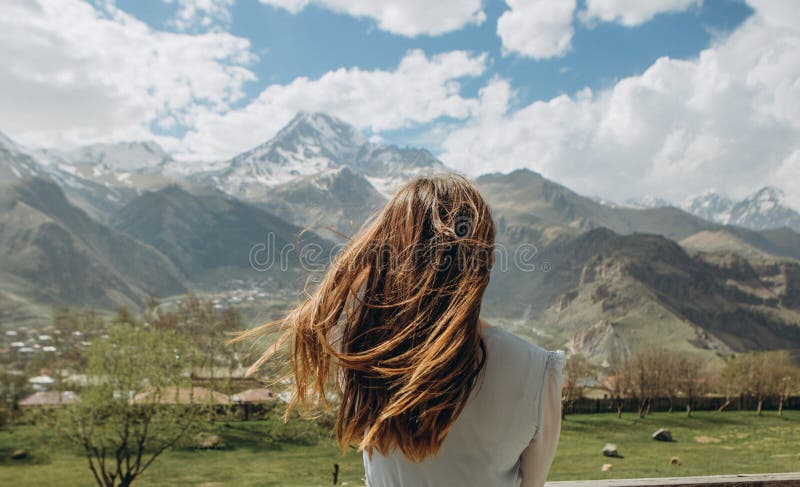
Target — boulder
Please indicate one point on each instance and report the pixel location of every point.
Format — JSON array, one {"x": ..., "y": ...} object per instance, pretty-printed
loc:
[
  {"x": 662, "y": 434},
  {"x": 19, "y": 454},
  {"x": 606, "y": 467},
  {"x": 610, "y": 450},
  {"x": 205, "y": 441}
]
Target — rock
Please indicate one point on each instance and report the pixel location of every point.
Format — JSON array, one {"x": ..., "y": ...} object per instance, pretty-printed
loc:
[
  {"x": 19, "y": 454},
  {"x": 606, "y": 467},
  {"x": 610, "y": 450},
  {"x": 662, "y": 434},
  {"x": 675, "y": 461},
  {"x": 205, "y": 440}
]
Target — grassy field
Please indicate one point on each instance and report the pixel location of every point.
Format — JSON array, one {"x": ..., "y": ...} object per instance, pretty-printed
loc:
[{"x": 709, "y": 443}]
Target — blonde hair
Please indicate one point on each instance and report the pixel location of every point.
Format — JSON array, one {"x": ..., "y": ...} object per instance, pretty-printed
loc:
[{"x": 393, "y": 325}]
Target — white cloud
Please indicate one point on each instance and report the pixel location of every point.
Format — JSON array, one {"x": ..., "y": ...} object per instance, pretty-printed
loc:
[
  {"x": 201, "y": 14},
  {"x": 73, "y": 73},
  {"x": 420, "y": 89},
  {"x": 405, "y": 17},
  {"x": 729, "y": 118},
  {"x": 632, "y": 12},
  {"x": 538, "y": 29}
]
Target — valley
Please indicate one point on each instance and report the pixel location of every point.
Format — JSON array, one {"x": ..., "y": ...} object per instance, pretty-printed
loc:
[{"x": 110, "y": 225}]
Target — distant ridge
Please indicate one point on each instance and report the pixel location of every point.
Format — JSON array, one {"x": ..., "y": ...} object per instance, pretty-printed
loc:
[{"x": 53, "y": 252}]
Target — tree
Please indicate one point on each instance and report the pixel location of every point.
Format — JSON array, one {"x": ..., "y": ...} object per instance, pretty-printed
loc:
[
  {"x": 206, "y": 328},
  {"x": 617, "y": 381},
  {"x": 760, "y": 375},
  {"x": 124, "y": 420},
  {"x": 730, "y": 382},
  {"x": 784, "y": 377},
  {"x": 689, "y": 381},
  {"x": 577, "y": 371},
  {"x": 649, "y": 374}
]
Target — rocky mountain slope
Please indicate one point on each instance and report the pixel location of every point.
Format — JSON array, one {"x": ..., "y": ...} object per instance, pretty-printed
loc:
[
  {"x": 210, "y": 235},
  {"x": 52, "y": 252},
  {"x": 605, "y": 292}
]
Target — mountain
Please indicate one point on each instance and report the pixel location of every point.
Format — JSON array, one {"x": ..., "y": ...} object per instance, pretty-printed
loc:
[
  {"x": 16, "y": 163},
  {"x": 524, "y": 197},
  {"x": 52, "y": 252},
  {"x": 137, "y": 156},
  {"x": 762, "y": 210},
  {"x": 599, "y": 279},
  {"x": 127, "y": 167},
  {"x": 313, "y": 143},
  {"x": 603, "y": 292},
  {"x": 711, "y": 206},
  {"x": 340, "y": 198},
  {"x": 648, "y": 201},
  {"x": 778, "y": 243},
  {"x": 723, "y": 240},
  {"x": 570, "y": 271},
  {"x": 95, "y": 197},
  {"x": 209, "y": 235}
]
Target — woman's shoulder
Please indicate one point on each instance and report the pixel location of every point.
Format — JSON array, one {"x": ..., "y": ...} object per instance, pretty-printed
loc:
[
  {"x": 512, "y": 355},
  {"x": 509, "y": 345}
]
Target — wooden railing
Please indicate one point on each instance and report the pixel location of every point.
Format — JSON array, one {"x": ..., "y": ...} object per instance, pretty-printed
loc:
[{"x": 754, "y": 480}]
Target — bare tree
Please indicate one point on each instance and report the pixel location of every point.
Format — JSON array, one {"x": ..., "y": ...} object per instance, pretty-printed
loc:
[
  {"x": 617, "y": 381},
  {"x": 784, "y": 377},
  {"x": 690, "y": 381},
  {"x": 578, "y": 370},
  {"x": 730, "y": 381},
  {"x": 649, "y": 375}
]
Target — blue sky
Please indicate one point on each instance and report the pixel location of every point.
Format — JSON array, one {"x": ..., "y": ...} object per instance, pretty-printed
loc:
[
  {"x": 613, "y": 98},
  {"x": 318, "y": 40}
]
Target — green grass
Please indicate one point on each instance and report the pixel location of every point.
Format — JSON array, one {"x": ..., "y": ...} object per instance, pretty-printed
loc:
[
  {"x": 708, "y": 443},
  {"x": 730, "y": 442}
]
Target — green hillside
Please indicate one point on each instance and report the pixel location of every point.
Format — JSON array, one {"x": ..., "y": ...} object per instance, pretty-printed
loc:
[{"x": 51, "y": 252}]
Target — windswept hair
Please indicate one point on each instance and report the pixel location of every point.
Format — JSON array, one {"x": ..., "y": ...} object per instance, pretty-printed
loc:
[{"x": 393, "y": 325}]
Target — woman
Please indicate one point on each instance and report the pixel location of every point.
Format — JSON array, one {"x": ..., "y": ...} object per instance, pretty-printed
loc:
[{"x": 430, "y": 393}]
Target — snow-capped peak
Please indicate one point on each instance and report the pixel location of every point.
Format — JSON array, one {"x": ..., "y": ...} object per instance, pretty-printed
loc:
[
  {"x": 315, "y": 140},
  {"x": 314, "y": 143},
  {"x": 711, "y": 206},
  {"x": 648, "y": 201},
  {"x": 322, "y": 127},
  {"x": 121, "y": 156},
  {"x": 766, "y": 208},
  {"x": 767, "y": 197}
]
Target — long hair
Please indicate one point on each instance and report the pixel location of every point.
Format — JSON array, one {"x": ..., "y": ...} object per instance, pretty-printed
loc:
[{"x": 393, "y": 325}]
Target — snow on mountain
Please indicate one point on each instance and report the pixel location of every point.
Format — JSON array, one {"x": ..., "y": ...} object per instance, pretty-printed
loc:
[
  {"x": 19, "y": 162},
  {"x": 648, "y": 201},
  {"x": 710, "y": 206},
  {"x": 314, "y": 143},
  {"x": 764, "y": 209},
  {"x": 16, "y": 162},
  {"x": 133, "y": 165},
  {"x": 123, "y": 156}
]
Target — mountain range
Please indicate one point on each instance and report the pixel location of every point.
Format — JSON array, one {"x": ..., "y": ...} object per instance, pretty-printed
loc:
[
  {"x": 764, "y": 209},
  {"x": 108, "y": 224}
]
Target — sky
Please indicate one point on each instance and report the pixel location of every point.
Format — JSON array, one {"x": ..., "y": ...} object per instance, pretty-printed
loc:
[{"x": 612, "y": 98}]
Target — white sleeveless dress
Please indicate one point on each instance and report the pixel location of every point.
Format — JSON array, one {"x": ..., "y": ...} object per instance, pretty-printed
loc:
[{"x": 505, "y": 436}]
